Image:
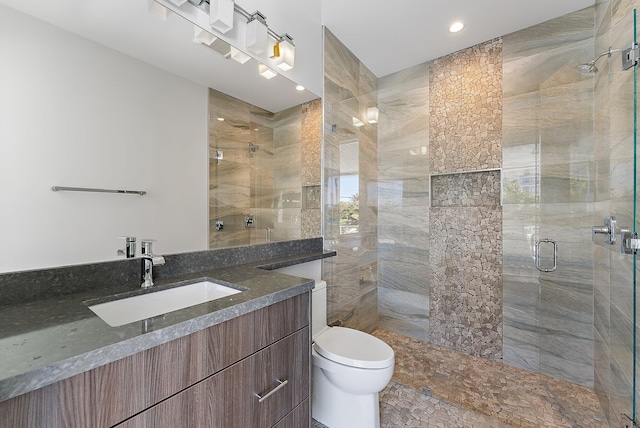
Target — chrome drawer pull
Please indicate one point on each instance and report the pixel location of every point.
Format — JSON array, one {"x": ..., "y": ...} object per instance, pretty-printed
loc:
[{"x": 281, "y": 384}]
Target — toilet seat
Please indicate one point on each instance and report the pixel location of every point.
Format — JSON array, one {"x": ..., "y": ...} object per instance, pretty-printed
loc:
[{"x": 353, "y": 348}]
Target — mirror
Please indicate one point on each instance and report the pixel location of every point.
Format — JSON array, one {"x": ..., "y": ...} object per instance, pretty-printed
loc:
[{"x": 106, "y": 95}]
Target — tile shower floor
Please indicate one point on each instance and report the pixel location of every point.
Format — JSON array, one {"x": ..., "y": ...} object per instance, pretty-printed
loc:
[{"x": 437, "y": 387}]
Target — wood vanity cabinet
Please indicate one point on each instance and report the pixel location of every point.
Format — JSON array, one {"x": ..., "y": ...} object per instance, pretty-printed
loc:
[{"x": 211, "y": 378}]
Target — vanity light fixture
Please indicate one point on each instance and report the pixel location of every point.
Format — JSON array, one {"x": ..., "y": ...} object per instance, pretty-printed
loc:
[
  {"x": 158, "y": 10},
  {"x": 238, "y": 55},
  {"x": 284, "y": 52},
  {"x": 221, "y": 14},
  {"x": 221, "y": 18},
  {"x": 221, "y": 119},
  {"x": 357, "y": 122},
  {"x": 257, "y": 33},
  {"x": 372, "y": 114},
  {"x": 456, "y": 26},
  {"x": 266, "y": 72},
  {"x": 202, "y": 36}
]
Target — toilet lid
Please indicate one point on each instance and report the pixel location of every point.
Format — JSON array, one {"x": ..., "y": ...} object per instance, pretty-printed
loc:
[{"x": 354, "y": 348}]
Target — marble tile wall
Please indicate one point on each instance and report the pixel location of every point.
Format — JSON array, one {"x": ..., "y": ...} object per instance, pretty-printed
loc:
[
  {"x": 548, "y": 192},
  {"x": 350, "y": 88},
  {"x": 403, "y": 199},
  {"x": 230, "y": 185},
  {"x": 613, "y": 148},
  {"x": 265, "y": 182}
]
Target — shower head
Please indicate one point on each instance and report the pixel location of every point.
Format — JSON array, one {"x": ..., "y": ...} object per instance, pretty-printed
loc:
[{"x": 589, "y": 68}]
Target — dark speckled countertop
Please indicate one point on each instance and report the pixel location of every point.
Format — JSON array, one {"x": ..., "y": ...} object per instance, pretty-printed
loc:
[{"x": 44, "y": 341}]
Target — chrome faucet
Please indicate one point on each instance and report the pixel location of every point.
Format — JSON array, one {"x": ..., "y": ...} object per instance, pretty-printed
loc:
[
  {"x": 129, "y": 250},
  {"x": 149, "y": 260}
]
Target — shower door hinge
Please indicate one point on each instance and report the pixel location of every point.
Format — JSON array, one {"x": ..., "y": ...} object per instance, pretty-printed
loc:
[
  {"x": 626, "y": 425},
  {"x": 630, "y": 56},
  {"x": 630, "y": 242}
]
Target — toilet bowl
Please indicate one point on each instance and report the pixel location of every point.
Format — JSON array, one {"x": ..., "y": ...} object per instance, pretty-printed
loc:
[{"x": 350, "y": 368}]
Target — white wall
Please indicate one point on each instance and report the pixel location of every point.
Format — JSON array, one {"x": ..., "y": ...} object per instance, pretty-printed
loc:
[{"x": 75, "y": 113}]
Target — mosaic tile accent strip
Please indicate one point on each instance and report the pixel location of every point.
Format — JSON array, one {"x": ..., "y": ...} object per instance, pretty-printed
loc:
[
  {"x": 455, "y": 389},
  {"x": 466, "y": 279},
  {"x": 467, "y": 190},
  {"x": 465, "y": 107},
  {"x": 311, "y": 136}
]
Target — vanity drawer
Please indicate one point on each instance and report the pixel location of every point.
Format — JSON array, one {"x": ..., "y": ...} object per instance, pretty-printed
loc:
[
  {"x": 298, "y": 417},
  {"x": 230, "y": 398}
]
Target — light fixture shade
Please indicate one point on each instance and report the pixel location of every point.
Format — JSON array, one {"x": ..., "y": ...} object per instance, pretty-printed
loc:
[
  {"x": 266, "y": 72},
  {"x": 239, "y": 56},
  {"x": 158, "y": 10},
  {"x": 202, "y": 36},
  {"x": 257, "y": 35},
  {"x": 287, "y": 53},
  {"x": 372, "y": 114},
  {"x": 221, "y": 15},
  {"x": 357, "y": 122}
]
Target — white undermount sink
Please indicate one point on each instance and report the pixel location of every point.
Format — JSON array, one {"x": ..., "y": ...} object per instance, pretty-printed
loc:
[{"x": 137, "y": 308}]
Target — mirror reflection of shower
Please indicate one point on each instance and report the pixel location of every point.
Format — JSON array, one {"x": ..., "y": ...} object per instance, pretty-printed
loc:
[
  {"x": 252, "y": 149},
  {"x": 629, "y": 59}
]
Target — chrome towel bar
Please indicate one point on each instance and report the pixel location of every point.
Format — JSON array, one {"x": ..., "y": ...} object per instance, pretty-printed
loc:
[{"x": 87, "y": 189}]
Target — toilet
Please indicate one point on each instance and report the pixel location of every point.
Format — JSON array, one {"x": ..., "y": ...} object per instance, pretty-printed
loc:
[{"x": 350, "y": 368}]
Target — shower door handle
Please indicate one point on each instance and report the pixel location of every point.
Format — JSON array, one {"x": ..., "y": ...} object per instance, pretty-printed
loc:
[{"x": 555, "y": 255}]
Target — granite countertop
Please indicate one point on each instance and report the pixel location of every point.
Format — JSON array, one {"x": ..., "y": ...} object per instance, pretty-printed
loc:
[{"x": 45, "y": 341}]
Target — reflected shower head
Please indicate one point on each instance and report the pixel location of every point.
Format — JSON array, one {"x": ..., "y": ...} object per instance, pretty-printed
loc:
[
  {"x": 589, "y": 68},
  {"x": 252, "y": 149}
]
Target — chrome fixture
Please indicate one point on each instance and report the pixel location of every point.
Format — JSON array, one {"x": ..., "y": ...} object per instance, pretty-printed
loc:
[
  {"x": 89, "y": 189},
  {"x": 252, "y": 149},
  {"x": 629, "y": 59},
  {"x": 555, "y": 255},
  {"x": 129, "y": 250},
  {"x": 268, "y": 234},
  {"x": 221, "y": 20},
  {"x": 629, "y": 242},
  {"x": 609, "y": 229},
  {"x": 281, "y": 384},
  {"x": 149, "y": 260}
]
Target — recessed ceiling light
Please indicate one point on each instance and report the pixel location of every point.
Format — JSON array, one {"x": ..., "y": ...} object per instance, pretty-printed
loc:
[
  {"x": 456, "y": 26},
  {"x": 300, "y": 88}
]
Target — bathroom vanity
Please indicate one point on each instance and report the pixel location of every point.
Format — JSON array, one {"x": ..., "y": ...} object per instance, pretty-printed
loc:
[{"x": 238, "y": 361}]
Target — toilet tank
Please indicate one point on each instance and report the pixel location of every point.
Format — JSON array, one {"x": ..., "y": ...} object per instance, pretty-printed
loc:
[
  {"x": 312, "y": 270},
  {"x": 318, "y": 308}
]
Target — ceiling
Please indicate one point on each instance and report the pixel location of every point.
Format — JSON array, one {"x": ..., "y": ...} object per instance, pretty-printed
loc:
[
  {"x": 389, "y": 36},
  {"x": 386, "y": 37}
]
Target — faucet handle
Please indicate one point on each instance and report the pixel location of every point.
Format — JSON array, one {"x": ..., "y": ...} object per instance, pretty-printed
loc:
[
  {"x": 147, "y": 246},
  {"x": 129, "y": 250}
]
